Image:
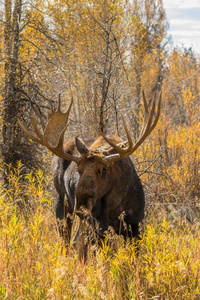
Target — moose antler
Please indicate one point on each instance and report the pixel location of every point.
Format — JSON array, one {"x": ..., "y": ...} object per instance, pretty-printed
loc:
[
  {"x": 53, "y": 133},
  {"x": 149, "y": 124}
]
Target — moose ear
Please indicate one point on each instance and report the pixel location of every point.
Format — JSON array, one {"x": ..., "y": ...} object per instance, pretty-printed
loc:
[{"x": 81, "y": 146}]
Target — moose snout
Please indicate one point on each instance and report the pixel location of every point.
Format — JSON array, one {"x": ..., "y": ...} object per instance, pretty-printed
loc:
[
  {"x": 85, "y": 187},
  {"x": 85, "y": 193}
]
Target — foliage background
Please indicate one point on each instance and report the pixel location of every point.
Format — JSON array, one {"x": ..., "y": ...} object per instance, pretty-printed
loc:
[{"x": 102, "y": 54}]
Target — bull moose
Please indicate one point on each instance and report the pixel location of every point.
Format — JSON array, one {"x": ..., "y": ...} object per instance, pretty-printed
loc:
[{"x": 95, "y": 179}]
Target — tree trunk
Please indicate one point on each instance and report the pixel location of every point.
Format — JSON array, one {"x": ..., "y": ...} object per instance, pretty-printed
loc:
[{"x": 10, "y": 105}]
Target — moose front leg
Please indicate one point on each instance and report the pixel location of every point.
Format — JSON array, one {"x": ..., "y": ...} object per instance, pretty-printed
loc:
[
  {"x": 80, "y": 240},
  {"x": 64, "y": 218}
]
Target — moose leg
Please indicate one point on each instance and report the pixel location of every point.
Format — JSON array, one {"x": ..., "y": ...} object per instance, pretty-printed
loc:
[
  {"x": 136, "y": 235},
  {"x": 64, "y": 218},
  {"x": 102, "y": 226},
  {"x": 134, "y": 231},
  {"x": 130, "y": 232},
  {"x": 80, "y": 240}
]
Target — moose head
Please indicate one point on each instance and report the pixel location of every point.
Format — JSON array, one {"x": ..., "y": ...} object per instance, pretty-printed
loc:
[{"x": 98, "y": 177}]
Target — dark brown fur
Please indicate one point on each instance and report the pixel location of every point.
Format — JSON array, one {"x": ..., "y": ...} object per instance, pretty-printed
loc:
[{"x": 107, "y": 191}]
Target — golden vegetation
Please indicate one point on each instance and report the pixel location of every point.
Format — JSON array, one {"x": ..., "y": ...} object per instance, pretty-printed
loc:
[
  {"x": 64, "y": 50},
  {"x": 35, "y": 265}
]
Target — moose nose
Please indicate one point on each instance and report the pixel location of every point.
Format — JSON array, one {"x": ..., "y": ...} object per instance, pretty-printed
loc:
[
  {"x": 84, "y": 192},
  {"x": 85, "y": 188}
]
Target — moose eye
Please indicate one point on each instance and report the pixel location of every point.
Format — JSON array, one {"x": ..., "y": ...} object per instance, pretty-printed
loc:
[{"x": 104, "y": 171}]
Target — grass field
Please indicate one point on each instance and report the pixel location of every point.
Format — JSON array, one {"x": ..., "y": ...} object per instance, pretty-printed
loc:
[{"x": 35, "y": 265}]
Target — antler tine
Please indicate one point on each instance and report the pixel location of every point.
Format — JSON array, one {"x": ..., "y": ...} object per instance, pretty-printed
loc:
[
  {"x": 116, "y": 147},
  {"x": 59, "y": 103},
  {"x": 69, "y": 109},
  {"x": 130, "y": 142},
  {"x": 149, "y": 124},
  {"x": 40, "y": 117},
  {"x": 39, "y": 134},
  {"x": 148, "y": 119},
  {"x": 145, "y": 131},
  {"x": 51, "y": 106},
  {"x": 28, "y": 133},
  {"x": 158, "y": 113},
  {"x": 113, "y": 145}
]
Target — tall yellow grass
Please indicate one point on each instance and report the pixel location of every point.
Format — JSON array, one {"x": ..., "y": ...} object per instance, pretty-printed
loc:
[{"x": 34, "y": 264}]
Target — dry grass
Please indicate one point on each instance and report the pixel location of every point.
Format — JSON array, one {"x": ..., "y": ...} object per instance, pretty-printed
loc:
[{"x": 35, "y": 265}]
